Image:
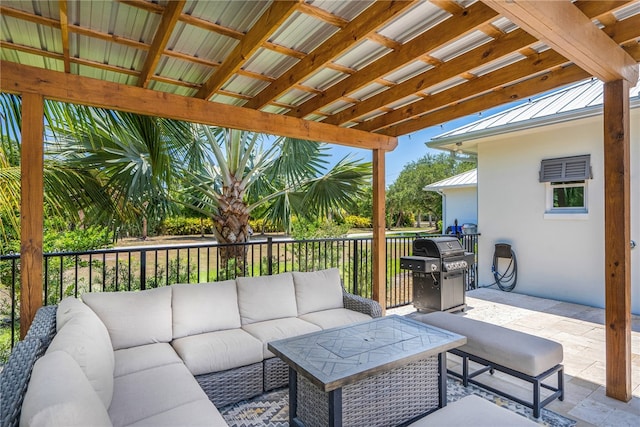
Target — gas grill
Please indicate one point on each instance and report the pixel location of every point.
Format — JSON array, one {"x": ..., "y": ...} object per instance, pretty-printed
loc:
[{"x": 439, "y": 265}]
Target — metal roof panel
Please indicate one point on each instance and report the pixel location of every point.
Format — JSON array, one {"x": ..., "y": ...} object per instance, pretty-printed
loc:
[
  {"x": 362, "y": 54},
  {"x": 269, "y": 63},
  {"x": 414, "y": 22},
  {"x": 303, "y": 32}
]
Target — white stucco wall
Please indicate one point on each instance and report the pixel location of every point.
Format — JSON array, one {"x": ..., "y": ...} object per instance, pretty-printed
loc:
[
  {"x": 461, "y": 203},
  {"x": 559, "y": 259}
]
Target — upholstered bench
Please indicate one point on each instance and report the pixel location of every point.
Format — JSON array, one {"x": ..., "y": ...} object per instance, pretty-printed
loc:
[
  {"x": 474, "y": 411},
  {"x": 524, "y": 356}
]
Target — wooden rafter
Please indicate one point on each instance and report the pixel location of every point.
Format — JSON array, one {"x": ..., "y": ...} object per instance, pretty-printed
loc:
[
  {"x": 277, "y": 13},
  {"x": 585, "y": 44},
  {"x": 160, "y": 40},
  {"x": 524, "y": 89},
  {"x": 64, "y": 31},
  {"x": 456, "y": 26},
  {"x": 368, "y": 21},
  {"x": 64, "y": 87}
]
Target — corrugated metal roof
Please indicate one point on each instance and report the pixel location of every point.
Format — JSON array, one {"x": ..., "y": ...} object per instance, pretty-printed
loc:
[
  {"x": 465, "y": 179},
  {"x": 580, "y": 100}
]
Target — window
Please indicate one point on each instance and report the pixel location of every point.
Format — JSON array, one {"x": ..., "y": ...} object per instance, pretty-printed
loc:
[{"x": 566, "y": 181}]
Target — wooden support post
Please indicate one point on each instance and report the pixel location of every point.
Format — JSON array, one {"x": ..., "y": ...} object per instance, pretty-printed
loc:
[
  {"x": 31, "y": 208},
  {"x": 379, "y": 225},
  {"x": 617, "y": 214}
]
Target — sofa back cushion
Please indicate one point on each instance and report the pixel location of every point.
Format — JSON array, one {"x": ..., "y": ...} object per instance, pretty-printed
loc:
[
  {"x": 266, "y": 298},
  {"x": 59, "y": 394},
  {"x": 85, "y": 338},
  {"x": 318, "y": 290},
  {"x": 204, "y": 307},
  {"x": 68, "y": 308},
  {"x": 134, "y": 318}
]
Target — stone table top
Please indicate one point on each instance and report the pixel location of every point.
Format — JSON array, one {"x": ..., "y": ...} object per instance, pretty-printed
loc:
[{"x": 340, "y": 356}]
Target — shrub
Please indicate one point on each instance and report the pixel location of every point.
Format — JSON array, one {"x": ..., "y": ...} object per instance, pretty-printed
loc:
[
  {"x": 355, "y": 221},
  {"x": 261, "y": 226},
  {"x": 184, "y": 226}
]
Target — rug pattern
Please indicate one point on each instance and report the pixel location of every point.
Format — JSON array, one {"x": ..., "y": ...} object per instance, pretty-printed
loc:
[{"x": 272, "y": 409}]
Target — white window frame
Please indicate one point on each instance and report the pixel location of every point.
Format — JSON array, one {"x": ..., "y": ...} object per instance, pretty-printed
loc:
[{"x": 566, "y": 213}]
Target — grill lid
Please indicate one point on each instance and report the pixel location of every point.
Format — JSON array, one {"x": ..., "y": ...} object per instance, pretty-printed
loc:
[{"x": 437, "y": 247}]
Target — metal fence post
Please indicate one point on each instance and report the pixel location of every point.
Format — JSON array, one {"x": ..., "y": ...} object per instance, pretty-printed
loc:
[
  {"x": 143, "y": 269},
  {"x": 270, "y": 255},
  {"x": 355, "y": 267}
]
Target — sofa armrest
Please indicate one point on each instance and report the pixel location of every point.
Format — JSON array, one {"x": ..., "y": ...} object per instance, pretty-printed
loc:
[
  {"x": 363, "y": 305},
  {"x": 43, "y": 326}
]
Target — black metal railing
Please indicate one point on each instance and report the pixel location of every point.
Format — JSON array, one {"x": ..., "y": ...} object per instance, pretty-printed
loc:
[{"x": 144, "y": 267}]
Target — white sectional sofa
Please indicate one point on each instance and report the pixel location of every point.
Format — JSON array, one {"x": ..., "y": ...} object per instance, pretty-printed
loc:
[{"x": 167, "y": 356}]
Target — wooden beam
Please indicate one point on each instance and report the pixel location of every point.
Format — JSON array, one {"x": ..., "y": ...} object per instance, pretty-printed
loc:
[
  {"x": 160, "y": 40},
  {"x": 372, "y": 18},
  {"x": 567, "y": 30},
  {"x": 504, "y": 76},
  {"x": 64, "y": 32},
  {"x": 457, "y": 25},
  {"x": 31, "y": 208},
  {"x": 617, "y": 238},
  {"x": 16, "y": 78},
  {"x": 525, "y": 89},
  {"x": 277, "y": 13},
  {"x": 379, "y": 245},
  {"x": 484, "y": 54},
  {"x": 323, "y": 15}
]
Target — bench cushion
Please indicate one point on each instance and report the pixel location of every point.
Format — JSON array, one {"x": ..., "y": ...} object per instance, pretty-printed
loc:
[
  {"x": 204, "y": 307},
  {"x": 59, "y": 394},
  {"x": 516, "y": 350},
  {"x": 134, "y": 359},
  {"x": 197, "y": 414},
  {"x": 85, "y": 338},
  {"x": 134, "y": 318},
  {"x": 333, "y": 318},
  {"x": 318, "y": 290},
  {"x": 155, "y": 392},
  {"x": 218, "y": 351},
  {"x": 278, "y": 329},
  {"x": 266, "y": 298},
  {"x": 474, "y": 411}
]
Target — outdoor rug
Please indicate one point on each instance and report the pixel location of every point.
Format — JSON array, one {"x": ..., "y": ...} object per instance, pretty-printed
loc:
[{"x": 272, "y": 409}]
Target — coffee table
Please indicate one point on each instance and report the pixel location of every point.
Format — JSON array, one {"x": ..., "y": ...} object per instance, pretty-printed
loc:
[{"x": 386, "y": 371}]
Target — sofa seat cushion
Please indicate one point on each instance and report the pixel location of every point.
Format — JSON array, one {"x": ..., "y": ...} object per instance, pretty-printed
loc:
[
  {"x": 266, "y": 298},
  {"x": 473, "y": 410},
  {"x": 272, "y": 330},
  {"x": 134, "y": 318},
  {"x": 204, "y": 307},
  {"x": 218, "y": 351},
  {"x": 517, "y": 350},
  {"x": 135, "y": 359},
  {"x": 59, "y": 394},
  {"x": 332, "y": 318},
  {"x": 144, "y": 394},
  {"x": 318, "y": 290},
  {"x": 199, "y": 413},
  {"x": 85, "y": 338}
]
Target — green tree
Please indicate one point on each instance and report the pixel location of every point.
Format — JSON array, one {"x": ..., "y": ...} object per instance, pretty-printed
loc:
[{"x": 407, "y": 196}]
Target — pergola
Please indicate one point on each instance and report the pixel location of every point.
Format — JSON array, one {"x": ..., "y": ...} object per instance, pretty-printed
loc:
[{"x": 358, "y": 73}]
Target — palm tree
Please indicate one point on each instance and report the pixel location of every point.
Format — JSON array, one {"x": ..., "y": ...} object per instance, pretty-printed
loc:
[
  {"x": 288, "y": 176},
  {"x": 67, "y": 190}
]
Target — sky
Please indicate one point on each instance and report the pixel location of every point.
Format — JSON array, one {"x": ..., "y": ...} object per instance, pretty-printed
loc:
[{"x": 411, "y": 147}]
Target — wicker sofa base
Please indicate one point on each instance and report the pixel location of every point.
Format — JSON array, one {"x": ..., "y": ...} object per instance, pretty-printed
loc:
[
  {"x": 389, "y": 398},
  {"x": 276, "y": 374},
  {"x": 227, "y": 387}
]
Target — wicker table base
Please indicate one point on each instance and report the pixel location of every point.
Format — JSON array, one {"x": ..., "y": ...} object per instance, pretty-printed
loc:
[{"x": 387, "y": 399}]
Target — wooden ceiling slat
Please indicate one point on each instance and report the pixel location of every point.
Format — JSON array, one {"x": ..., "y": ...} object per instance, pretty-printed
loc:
[
  {"x": 323, "y": 15},
  {"x": 106, "y": 67},
  {"x": 160, "y": 40},
  {"x": 25, "y": 16},
  {"x": 585, "y": 44},
  {"x": 481, "y": 55},
  {"x": 112, "y": 38},
  {"x": 384, "y": 41},
  {"x": 189, "y": 58},
  {"x": 501, "y": 77},
  {"x": 368, "y": 21},
  {"x": 525, "y": 89},
  {"x": 64, "y": 31},
  {"x": 456, "y": 26},
  {"x": 624, "y": 31},
  {"x": 594, "y": 9},
  {"x": 16, "y": 78},
  {"x": 31, "y": 50},
  {"x": 175, "y": 82},
  {"x": 283, "y": 50},
  {"x": 277, "y": 13}
]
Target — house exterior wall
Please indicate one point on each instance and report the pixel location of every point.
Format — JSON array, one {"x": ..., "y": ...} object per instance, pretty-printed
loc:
[
  {"x": 461, "y": 204},
  {"x": 557, "y": 258}
]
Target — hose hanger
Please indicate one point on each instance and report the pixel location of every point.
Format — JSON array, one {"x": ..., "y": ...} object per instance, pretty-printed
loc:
[{"x": 506, "y": 281}]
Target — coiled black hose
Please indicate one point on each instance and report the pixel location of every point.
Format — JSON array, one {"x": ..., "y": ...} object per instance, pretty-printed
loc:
[{"x": 506, "y": 281}]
